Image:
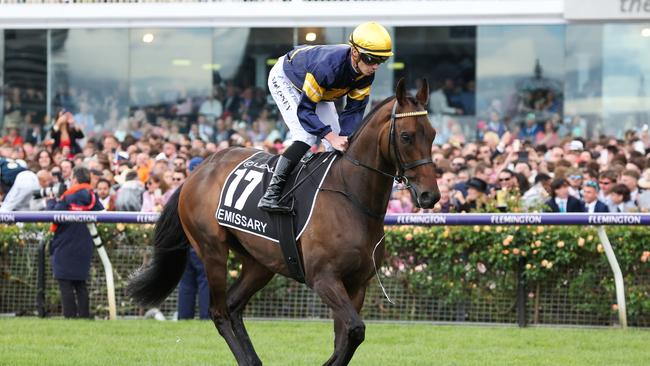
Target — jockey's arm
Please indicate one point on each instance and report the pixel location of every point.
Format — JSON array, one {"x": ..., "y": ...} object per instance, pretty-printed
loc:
[
  {"x": 312, "y": 94},
  {"x": 355, "y": 106}
]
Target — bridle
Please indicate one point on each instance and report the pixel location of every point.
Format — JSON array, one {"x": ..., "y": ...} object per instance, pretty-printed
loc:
[{"x": 401, "y": 167}]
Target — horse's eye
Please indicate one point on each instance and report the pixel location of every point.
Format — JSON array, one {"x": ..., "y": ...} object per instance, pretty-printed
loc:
[{"x": 406, "y": 138}]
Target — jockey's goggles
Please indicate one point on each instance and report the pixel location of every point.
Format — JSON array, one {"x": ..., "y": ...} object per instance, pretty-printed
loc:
[{"x": 369, "y": 59}]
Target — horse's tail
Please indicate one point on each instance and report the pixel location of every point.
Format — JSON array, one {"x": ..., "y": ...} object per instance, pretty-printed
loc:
[{"x": 150, "y": 285}]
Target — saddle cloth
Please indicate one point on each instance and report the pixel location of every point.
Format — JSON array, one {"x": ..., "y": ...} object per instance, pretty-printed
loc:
[{"x": 246, "y": 184}]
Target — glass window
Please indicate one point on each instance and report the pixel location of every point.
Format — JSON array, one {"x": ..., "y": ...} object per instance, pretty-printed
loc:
[
  {"x": 170, "y": 72},
  {"x": 446, "y": 57},
  {"x": 242, "y": 59},
  {"x": 626, "y": 70},
  {"x": 89, "y": 77},
  {"x": 583, "y": 80},
  {"x": 25, "y": 80},
  {"x": 520, "y": 72}
]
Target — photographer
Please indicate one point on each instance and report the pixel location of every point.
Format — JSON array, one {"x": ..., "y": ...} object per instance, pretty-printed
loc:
[
  {"x": 71, "y": 248},
  {"x": 17, "y": 183},
  {"x": 66, "y": 134}
]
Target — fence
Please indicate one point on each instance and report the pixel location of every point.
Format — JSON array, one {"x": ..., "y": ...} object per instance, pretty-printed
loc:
[{"x": 285, "y": 298}]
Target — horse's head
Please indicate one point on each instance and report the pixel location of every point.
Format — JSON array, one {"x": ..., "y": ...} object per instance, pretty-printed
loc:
[{"x": 410, "y": 136}]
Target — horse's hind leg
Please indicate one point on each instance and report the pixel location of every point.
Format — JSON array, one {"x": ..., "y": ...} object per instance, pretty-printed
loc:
[
  {"x": 215, "y": 258},
  {"x": 253, "y": 277},
  {"x": 349, "y": 328}
]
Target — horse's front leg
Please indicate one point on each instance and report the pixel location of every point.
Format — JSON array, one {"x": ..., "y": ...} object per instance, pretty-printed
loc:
[
  {"x": 253, "y": 277},
  {"x": 348, "y": 326}
]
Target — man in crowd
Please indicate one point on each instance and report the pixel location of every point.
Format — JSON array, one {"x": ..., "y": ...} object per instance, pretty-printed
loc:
[
  {"x": 590, "y": 196},
  {"x": 18, "y": 185},
  {"x": 561, "y": 200}
]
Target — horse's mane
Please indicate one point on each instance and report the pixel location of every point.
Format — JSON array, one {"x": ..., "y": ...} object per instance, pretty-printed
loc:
[{"x": 369, "y": 116}]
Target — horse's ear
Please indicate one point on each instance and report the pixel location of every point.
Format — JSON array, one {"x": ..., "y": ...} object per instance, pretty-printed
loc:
[
  {"x": 400, "y": 92},
  {"x": 423, "y": 94}
]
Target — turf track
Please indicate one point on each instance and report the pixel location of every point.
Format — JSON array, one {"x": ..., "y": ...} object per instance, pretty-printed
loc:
[{"x": 31, "y": 341}]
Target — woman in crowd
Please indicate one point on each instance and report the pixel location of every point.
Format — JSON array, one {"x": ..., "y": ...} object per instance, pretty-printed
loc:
[
  {"x": 476, "y": 196},
  {"x": 156, "y": 195},
  {"x": 66, "y": 134}
]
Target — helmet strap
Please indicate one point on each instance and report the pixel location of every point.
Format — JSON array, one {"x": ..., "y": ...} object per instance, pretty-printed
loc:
[{"x": 355, "y": 64}]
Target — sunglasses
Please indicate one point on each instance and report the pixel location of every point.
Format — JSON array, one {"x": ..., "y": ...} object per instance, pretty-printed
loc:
[
  {"x": 604, "y": 183},
  {"x": 177, "y": 179},
  {"x": 504, "y": 179},
  {"x": 369, "y": 59}
]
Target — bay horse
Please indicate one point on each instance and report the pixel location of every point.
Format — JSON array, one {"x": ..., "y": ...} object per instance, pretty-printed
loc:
[{"x": 393, "y": 142}]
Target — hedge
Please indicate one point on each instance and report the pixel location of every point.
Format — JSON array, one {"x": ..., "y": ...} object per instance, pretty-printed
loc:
[{"x": 455, "y": 264}]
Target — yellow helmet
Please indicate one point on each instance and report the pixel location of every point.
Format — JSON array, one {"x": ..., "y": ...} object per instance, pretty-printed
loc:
[{"x": 372, "y": 38}]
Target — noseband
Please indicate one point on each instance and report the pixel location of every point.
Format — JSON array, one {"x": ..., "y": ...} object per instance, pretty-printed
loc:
[{"x": 401, "y": 167}]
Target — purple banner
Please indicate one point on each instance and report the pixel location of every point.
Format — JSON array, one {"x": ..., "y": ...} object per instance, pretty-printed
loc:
[
  {"x": 398, "y": 219},
  {"x": 519, "y": 219},
  {"x": 61, "y": 217}
]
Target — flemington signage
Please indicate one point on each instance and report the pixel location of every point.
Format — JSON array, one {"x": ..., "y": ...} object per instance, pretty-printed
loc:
[{"x": 607, "y": 9}]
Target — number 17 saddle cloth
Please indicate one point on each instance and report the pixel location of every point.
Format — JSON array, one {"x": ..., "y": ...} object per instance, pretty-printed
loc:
[{"x": 247, "y": 182}]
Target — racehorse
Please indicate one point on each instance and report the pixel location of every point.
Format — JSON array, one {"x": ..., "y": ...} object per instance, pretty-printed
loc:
[{"x": 393, "y": 142}]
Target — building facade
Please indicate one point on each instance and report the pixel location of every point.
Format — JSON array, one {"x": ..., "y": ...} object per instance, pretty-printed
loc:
[{"x": 576, "y": 66}]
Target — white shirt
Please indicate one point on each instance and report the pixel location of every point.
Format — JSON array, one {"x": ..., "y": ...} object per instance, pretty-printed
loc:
[
  {"x": 591, "y": 207},
  {"x": 19, "y": 196},
  {"x": 438, "y": 103}
]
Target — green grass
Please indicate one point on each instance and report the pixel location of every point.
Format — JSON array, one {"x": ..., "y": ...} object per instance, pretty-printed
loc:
[{"x": 31, "y": 341}]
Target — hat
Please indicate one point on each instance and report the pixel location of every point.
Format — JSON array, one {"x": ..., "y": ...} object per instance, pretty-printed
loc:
[
  {"x": 478, "y": 184},
  {"x": 644, "y": 181},
  {"x": 194, "y": 162},
  {"x": 576, "y": 145}
]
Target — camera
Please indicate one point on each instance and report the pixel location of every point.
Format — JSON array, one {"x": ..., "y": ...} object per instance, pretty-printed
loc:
[{"x": 57, "y": 188}]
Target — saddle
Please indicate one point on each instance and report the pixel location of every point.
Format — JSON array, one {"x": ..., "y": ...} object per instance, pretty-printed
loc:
[{"x": 245, "y": 186}]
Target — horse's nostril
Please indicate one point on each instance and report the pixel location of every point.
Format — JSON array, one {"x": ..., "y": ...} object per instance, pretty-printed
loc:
[{"x": 428, "y": 199}]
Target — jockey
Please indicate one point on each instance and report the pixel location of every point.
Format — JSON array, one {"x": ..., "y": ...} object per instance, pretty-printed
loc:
[{"x": 305, "y": 82}]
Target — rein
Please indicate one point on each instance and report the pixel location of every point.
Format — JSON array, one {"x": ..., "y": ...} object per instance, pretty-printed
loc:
[
  {"x": 394, "y": 146},
  {"x": 401, "y": 167}
]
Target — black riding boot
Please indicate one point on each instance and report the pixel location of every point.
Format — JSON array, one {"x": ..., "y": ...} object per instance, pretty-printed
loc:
[{"x": 273, "y": 193}]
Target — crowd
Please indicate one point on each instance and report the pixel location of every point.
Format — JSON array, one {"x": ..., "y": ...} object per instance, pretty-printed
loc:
[
  {"x": 516, "y": 173},
  {"x": 137, "y": 162}
]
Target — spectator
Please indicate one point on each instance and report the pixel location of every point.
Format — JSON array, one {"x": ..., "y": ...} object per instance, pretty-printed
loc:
[
  {"x": 590, "y": 194},
  {"x": 607, "y": 181},
  {"x": 129, "y": 196},
  {"x": 643, "y": 200},
  {"x": 156, "y": 195},
  {"x": 194, "y": 282},
  {"x": 630, "y": 178},
  {"x": 444, "y": 205},
  {"x": 495, "y": 124},
  {"x": 211, "y": 108},
  {"x": 575, "y": 183},
  {"x": 621, "y": 200},
  {"x": 103, "y": 190},
  {"x": 17, "y": 184},
  {"x": 85, "y": 119},
  {"x": 530, "y": 129},
  {"x": 538, "y": 193},
  {"x": 72, "y": 246},
  {"x": 178, "y": 177},
  {"x": 66, "y": 134},
  {"x": 476, "y": 198},
  {"x": 561, "y": 201}
]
